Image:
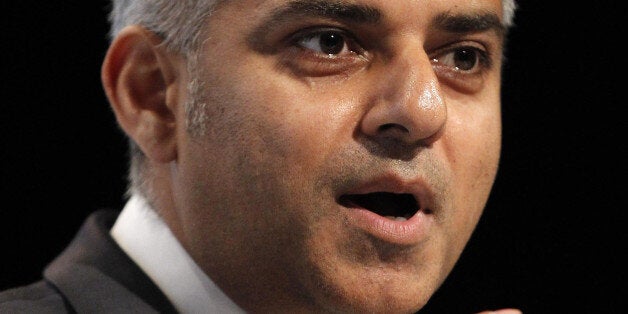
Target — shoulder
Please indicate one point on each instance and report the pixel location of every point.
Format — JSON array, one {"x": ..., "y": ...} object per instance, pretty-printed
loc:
[{"x": 39, "y": 297}]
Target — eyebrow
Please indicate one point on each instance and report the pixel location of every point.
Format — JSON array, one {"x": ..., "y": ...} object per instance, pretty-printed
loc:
[
  {"x": 469, "y": 23},
  {"x": 339, "y": 10}
]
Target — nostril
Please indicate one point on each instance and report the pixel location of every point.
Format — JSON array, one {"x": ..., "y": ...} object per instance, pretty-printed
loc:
[{"x": 393, "y": 126}]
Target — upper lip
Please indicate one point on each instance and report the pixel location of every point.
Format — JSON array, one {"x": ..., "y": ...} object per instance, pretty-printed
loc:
[{"x": 394, "y": 183}]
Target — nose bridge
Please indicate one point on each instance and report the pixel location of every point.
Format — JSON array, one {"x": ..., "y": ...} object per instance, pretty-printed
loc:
[
  {"x": 410, "y": 106},
  {"x": 417, "y": 90}
]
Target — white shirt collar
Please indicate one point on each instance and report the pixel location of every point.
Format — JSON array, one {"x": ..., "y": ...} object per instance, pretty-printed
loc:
[{"x": 142, "y": 235}]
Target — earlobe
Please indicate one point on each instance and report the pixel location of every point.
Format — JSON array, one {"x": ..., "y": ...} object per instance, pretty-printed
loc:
[{"x": 140, "y": 80}]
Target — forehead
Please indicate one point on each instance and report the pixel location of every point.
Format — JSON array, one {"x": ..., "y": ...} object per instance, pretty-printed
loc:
[{"x": 387, "y": 11}]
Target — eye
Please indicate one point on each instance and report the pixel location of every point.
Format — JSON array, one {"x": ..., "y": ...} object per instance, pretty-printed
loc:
[
  {"x": 328, "y": 42},
  {"x": 464, "y": 59},
  {"x": 464, "y": 66},
  {"x": 324, "y": 51}
]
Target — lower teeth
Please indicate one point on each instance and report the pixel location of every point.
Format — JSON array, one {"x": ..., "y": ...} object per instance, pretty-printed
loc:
[{"x": 396, "y": 218}]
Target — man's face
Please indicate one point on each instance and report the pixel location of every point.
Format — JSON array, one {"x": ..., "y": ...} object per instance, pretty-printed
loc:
[{"x": 348, "y": 151}]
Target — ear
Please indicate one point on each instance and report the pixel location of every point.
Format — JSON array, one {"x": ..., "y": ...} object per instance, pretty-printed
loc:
[{"x": 140, "y": 79}]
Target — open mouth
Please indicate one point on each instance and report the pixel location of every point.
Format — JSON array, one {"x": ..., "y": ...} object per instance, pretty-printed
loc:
[{"x": 394, "y": 206}]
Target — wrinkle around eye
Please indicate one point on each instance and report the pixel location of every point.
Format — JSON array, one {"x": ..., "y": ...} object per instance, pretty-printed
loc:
[{"x": 312, "y": 64}]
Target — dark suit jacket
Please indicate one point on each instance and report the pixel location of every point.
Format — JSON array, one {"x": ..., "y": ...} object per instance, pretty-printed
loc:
[{"x": 92, "y": 275}]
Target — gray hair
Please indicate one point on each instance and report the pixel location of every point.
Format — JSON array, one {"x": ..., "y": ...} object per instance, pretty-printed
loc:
[{"x": 180, "y": 24}]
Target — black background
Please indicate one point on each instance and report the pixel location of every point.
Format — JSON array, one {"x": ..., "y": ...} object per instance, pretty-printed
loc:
[{"x": 553, "y": 232}]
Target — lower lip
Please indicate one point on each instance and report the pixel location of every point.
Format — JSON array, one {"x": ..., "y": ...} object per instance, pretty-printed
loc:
[{"x": 409, "y": 232}]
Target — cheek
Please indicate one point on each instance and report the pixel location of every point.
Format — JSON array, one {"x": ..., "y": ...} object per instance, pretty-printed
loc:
[
  {"x": 301, "y": 126},
  {"x": 472, "y": 143},
  {"x": 273, "y": 141}
]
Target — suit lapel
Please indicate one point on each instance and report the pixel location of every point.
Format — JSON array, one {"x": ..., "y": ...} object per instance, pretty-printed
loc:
[{"x": 96, "y": 276}]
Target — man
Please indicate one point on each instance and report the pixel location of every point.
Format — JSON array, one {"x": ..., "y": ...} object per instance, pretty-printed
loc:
[{"x": 289, "y": 156}]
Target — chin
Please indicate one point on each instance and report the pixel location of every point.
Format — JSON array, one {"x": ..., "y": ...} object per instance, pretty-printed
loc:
[
  {"x": 379, "y": 289},
  {"x": 350, "y": 271},
  {"x": 388, "y": 304}
]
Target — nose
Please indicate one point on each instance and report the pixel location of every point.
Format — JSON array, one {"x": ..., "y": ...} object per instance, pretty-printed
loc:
[{"x": 407, "y": 105}]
